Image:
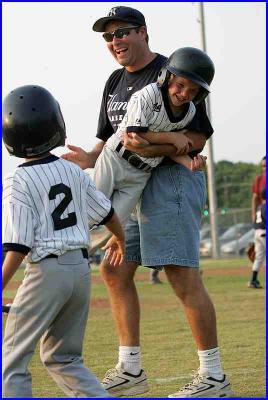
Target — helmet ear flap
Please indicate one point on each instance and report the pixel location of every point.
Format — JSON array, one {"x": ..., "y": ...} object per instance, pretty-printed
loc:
[
  {"x": 163, "y": 77},
  {"x": 201, "y": 95}
]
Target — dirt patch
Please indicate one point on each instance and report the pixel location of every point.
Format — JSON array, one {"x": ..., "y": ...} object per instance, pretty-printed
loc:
[
  {"x": 206, "y": 272},
  {"x": 7, "y": 300},
  {"x": 226, "y": 271},
  {"x": 99, "y": 303},
  {"x": 144, "y": 277}
]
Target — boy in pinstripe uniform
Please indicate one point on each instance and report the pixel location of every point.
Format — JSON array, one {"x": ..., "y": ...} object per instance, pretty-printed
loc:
[
  {"x": 155, "y": 113},
  {"x": 47, "y": 203}
]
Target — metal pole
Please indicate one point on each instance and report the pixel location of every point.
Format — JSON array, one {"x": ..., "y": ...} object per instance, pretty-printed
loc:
[{"x": 210, "y": 164}]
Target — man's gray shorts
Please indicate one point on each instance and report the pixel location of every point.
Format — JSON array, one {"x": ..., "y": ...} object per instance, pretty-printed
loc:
[{"x": 169, "y": 218}]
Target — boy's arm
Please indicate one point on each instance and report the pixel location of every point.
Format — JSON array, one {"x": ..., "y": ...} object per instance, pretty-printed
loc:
[
  {"x": 11, "y": 263},
  {"x": 135, "y": 143},
  {"x": 177, "y": 139}
]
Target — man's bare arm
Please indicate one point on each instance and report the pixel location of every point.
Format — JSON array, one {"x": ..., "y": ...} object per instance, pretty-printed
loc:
[
  {"x": 84, "y": 159},
  {"x": 198, "y": 139},
  {"x": 254, "y": 205}
]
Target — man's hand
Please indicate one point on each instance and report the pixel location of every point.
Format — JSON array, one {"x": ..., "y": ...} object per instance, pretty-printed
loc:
[
  {"x": 78, "y": 156},
  {"x": 198, "y": 163},
  {"x": 182, "y": 143},
  {"x": 132, "y": 139},
  {"x": 115, "y": 251}
]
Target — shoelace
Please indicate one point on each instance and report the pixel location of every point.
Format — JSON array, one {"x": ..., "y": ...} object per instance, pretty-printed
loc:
[
  {"x": 194, "y": 384},
  {"x": 110, "y": 373}
]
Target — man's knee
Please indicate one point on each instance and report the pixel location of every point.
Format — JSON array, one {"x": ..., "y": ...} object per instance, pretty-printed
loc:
[
  {"x": 117, "y": 276},
  {"x": 186, "y": 282}
]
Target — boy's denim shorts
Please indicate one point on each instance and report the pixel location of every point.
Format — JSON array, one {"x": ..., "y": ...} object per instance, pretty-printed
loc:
[{"x": 166, "y": 230}]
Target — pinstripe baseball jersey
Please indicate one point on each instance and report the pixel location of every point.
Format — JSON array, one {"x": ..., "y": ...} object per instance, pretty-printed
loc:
[
  {"x": 49, "y": 205},
  {"x": 148, "y": 109}
]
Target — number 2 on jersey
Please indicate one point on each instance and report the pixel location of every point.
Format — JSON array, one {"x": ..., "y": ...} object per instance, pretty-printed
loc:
[{"x": 62, "y": 223}]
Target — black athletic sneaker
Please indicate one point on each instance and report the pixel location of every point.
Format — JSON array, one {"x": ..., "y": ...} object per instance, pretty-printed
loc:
[{"x": 254, "y": 285}]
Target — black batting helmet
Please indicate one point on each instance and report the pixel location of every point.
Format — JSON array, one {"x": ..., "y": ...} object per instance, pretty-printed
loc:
[
  {"x": 190, "y": 63},
  {"x": 32, "y": 122}
]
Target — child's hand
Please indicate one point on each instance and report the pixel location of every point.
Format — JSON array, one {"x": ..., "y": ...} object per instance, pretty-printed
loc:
[
  {"x": 198, "y": 163},
  {"x": 182, "y": 143},
  {"x": 115, "y": 251},
  {"x": 135, "y": 140}
]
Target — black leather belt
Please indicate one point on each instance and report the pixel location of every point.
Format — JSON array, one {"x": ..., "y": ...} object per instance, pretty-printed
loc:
[
  {"x": 133, "y": 159},
  {"x": 84, "y": 252}
]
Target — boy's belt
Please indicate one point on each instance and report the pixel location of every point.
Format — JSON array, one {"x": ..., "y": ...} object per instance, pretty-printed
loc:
[
  {"x": 84, "y": 252},
  {"x": 133, "y": 159}
]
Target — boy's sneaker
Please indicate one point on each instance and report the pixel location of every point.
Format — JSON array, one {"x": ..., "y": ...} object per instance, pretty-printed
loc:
[
  {"x": 205, "y": 386},
  {"x": 121, "y": 383},
  {"x": 255, "y": 285}
]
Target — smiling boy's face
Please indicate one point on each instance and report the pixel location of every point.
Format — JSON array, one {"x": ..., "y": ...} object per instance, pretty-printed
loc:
[{"x": 181, "y": 90}]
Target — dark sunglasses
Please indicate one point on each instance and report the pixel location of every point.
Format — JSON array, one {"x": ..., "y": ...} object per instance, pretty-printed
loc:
[{"x": 119, "y": 33}]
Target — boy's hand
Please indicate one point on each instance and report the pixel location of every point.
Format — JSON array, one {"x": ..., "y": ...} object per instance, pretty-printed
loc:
[
  {"x": 135, "y": 140},
  {"x": 182, "y": 143},
  {"x": 198, "y": 163},
  {"x": 115, "y": 251}
]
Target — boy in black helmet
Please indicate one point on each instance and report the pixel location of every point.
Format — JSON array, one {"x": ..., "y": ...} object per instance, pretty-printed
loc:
[
  {"x": 158, "y": 113},
  {"x": 48, "y": 205}
]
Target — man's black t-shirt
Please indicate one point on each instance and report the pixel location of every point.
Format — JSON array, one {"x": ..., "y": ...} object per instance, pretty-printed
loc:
[{"x": 118, "y": 90}]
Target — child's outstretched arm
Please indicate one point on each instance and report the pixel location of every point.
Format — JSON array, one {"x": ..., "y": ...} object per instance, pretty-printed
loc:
[{"x": 11, "y": 263}]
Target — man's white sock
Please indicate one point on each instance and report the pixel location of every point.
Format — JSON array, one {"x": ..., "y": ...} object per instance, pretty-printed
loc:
[
  {"x": 210, "y": 363},
  {"x": 130, "y": 359}
]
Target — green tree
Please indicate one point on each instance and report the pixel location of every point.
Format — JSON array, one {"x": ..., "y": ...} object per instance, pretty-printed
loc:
[{"x": 233, "y": 183}]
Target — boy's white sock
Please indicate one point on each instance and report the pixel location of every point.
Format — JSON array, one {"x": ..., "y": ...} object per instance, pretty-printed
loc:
[
  {"x": 130, "y": 357},
  {"x": 210, "y": 363}
]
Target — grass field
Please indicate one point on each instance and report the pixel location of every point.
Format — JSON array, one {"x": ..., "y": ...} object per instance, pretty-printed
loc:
[{"x": 169, "y": 353}]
